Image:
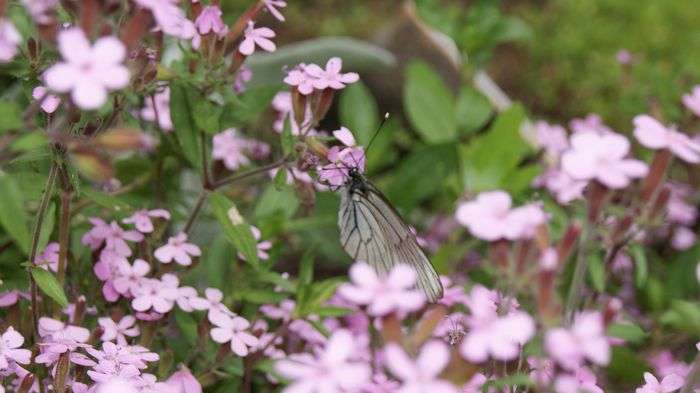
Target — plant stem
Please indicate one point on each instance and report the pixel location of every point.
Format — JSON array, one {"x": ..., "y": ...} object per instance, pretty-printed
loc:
[
  {"x": 43, "y": 205},
  {"x": 693, "y": 378},
  {"x": 579, "y": 276},
  {"x": 197, "y": 207},
  {"x": 253, "y": 172},
  {"x": 64, "y": 230}
]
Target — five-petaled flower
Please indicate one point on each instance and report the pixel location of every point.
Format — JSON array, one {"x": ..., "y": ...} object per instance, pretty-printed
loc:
[
  {"x": 256, "y": 36},
  {"x": 179, "y": 250},
  {"x": 233, "y": 329},
  {"x": 10, "y": 349},
  {"x": 421, "y": 375},
  {"x": 584, "y": 340},
  {"x": 87, "y": 72},
  {"x": 654, "y": 135}
]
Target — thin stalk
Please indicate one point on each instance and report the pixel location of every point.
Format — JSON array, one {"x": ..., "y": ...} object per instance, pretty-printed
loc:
[
  {"x": 253, "y": 172},
  {"x": 36, "y": 232},
  {"x": 197, "y": 207},
  {"x": 64, "y": 234},
  {"x": 580, "y": 270}
]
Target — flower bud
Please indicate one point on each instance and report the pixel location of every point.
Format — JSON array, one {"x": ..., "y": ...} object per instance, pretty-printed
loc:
[
  {"x": 654, "y": 178},
  {"x": 183, "y": 381},
  {"x": 123, "y": 139},
  {"x": 566, "y": 245},
  {"x": 27, "y": 383},
  {"x": 92, "y": 165}
]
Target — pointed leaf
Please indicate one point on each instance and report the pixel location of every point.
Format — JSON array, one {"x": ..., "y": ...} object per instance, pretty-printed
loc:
[{"x": 235, "y": 227}]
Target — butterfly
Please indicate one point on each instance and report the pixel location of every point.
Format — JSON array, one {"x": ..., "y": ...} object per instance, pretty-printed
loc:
[{"x": 371, "y": 230}]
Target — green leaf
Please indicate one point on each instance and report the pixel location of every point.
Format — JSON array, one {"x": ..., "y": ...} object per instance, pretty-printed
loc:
[
  {"x": 13, "y": 217},
  {"x": 251, "y": 104},
  {"x": 276, "y": 279},
  {"x": 306, "y": 269},
  {"x": 29, "y": 141},
  {"x": 429, "y": 104},
  {"x": 358, "y": 112},
  {"x": 206, "y": 116},
  {"x": 287, "y": 139},
  {"x": 258, "y": 296},
  {"x": 187, "y": 325},
  {"x": 281, "y": 178},
  {"x": 473, "y": 110},
  {"x": 518, "y": 379},
  {"x": 106, "y": 200},
  {"x": 47, "y": 227},
  {"x": 181, "y": 112},
  {"x": 235, "y": 227},
  {"x": 626, "y": 366},
  {"x": 310, "y": 298},
  {"x": 275, "y": 201},
  {"x": 628, "y": 332},
  {"x": 596, "y": 272},
  {"x": 488, "y": 159},
  {"x": 328, "y": 311},
  {"x": 10, "y": 116},
  {"x": 49, "y": 285},
  {"x": 641, "y": 266},
  {"x": 683, "y": 315}
]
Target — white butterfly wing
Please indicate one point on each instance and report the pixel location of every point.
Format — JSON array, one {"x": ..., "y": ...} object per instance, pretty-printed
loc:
[{"x": 372, "y": 231}]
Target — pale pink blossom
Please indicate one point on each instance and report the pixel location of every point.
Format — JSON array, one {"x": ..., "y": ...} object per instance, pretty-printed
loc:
[
  {"x": 272, "y": 5},
  {"x": 330, "y": 370},
  {"x": 153, "y": 294},
  {"x": 452, "y": 293},
  {"x": 602, "y": 158},
  {"x": 683, "y": 238},
  {"x": 383, "y": 295},
  {"x": 142, "y": 219},
  {"x": 583, "y": 380},
  {"x": 231, "y": 148},
  {"x": 260, "y": 37},
  {"x": 561, "y": 185},
  {"x": 182, "y": 381},
  {"x": 209, "y": 21},
  {"x": 49, "y": 102},
  {"x": 233, "y": 329},
  {"x": 669, "y": 383},
  {"x": 40, "y": 10},
  {"x": 244, "y": 75},
  {"x": 421, "y": 375},
  {"x": 542, "y": 370},
  {"x": 11, "y": 297},
  {"x": 58, "y": 338},
  {"x": 282, "y": 312},
  {"x": 262, "y": 246},
  {"x": 692, "y": 100},
  {"x": 9, "y": 40},
  {"x": 112, "y": 235},
  {"x": 87, "y": 72},
  {"x": 654, "y": 135},
  {"x": 48, "y": 259},
  {"x": 129, "y": 277},
  {"x": 551, "y": 138},
  {"x": 157, "y": 107},
  {"x": 212, "y": 302},
  {"x": 342, "y": 161},
  {"x": 10, "y": 349},
  {"x": 330, "y": 77},
  {"x": 299, "y": 78},
  {"x": 170, "y": 18},
  {"x": 118, "y": 331},
  {"x": 345, "y": 136},
  {"x": 380, "y": 383},
  {"x": 178, "y": 249},
  {"x": 490, "y": 217},
  {"x": 665, "y": 364},
  {"x": 116, "y": 385},
  {"x": 490, "y": 334},
  {"x": 584, "y": 340},
  {"x": 678, "y": 209},
  {"x": 591, "y": 123},
  {"x": 624, "y": 57}
]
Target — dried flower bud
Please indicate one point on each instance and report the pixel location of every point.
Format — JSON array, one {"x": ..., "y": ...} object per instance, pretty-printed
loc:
[
  {"x": 566, "y": 245},
  {"x": 595, "y": 195},
  {"x": 654, "y": 178},
  {"x": 91, "y": 164},
  {"x": 124, "y": 139},
  {"x": 27, "y": 383}
]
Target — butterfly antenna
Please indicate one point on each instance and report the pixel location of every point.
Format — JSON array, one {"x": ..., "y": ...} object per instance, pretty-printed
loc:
[{"x": 386, "y": 117}]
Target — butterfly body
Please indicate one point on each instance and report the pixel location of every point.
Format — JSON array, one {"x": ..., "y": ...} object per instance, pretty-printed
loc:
[{"x": 372, "y": 231}]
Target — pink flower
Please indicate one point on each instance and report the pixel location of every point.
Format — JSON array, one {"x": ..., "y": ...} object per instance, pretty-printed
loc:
[
  {"x": 591, "y": 123},
  {"x": 40, "y": 9},
  {"x": 395, "y": 293},
  {"x": 602, "y": 158},
  {"x": 11, "y": 297},
  {"x": 272, "y": 5},
  {"x": 302, "y": 80},
  {"x": 233, "y": 329},
  {"x": 182, "y": 381},
  {"x": 692, "y": 100},
  {"x": 244, "y": 75},
  {"x": 260, "y": 37},
  {"x": 380, "y": 383},
  {"x": 87, "y": 72},
  {"x": 678, "y": 209},
  {"x": 669, "y": 383},
  {"x": 652, "y": 134},
  {"x": 421, "y": 375},
  {"x": 624, "y": 57},
  {"x": 211, "y": 302},
  {"x": 160, "y": 111},
  {"x": 48, "y": 259},
  {"x": 583, "y": 380},
  {"x": 50, "y": 103},
  {"x": 116, "y": 385},
  {"x": 491, "y": 334},
  {"x": 331, "y": 370},
  {"x": 178, "y": 249},
  {"x": 230, "y": 148},
  {"x": 331, "y": 76},
  {"x": 9, "y": 40},
  {"x": 283, "y": 312},
  {"x": 142, "y": 219},
  {"x": 10, "y": 351},
  {"x": 118, "y": 331},
  {"x": 59, "y": 338},
  {"x": 209, "y": 21},
  {"x": 551, "y": 138},
  {"x": 584, "y": 340},
  {"x": 452, "y": 293},
  {"x": 665, "y": 364},
  {"x": 561, "y": 185},
  {"x": 112, "y": 235},
  {"x": 262, "y": 246},
  {"x": 153, "y": 294},
  {"x": 345, "y": 136},
  {"x": 490, "y": 217},
  {"x": 129, "y": 277},
  {"x": 683, "y": 238},
  {"x": 542, "y": 370},
  {"x": 337, "y": 172},
  {"x": 170, "y": 18}
]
